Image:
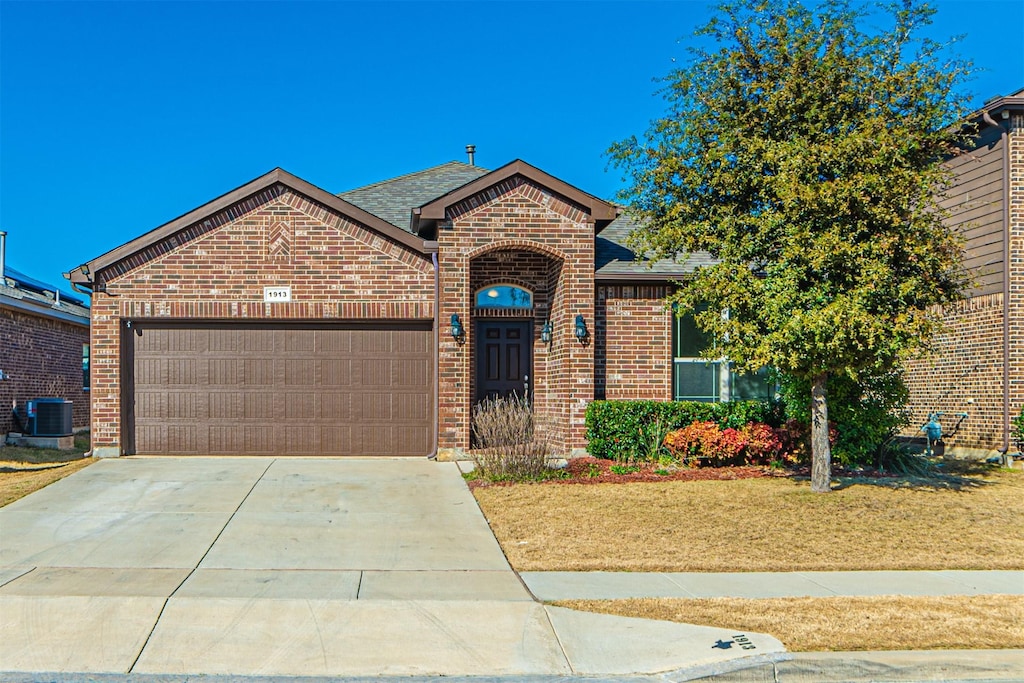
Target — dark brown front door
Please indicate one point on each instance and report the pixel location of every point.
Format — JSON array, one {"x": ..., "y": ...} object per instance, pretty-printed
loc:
[{"x": 503, "y": 358}]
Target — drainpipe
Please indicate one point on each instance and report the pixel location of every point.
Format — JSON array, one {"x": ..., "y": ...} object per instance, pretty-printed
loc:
[
  {"x": 1004, "y": 134},
  {"x": 437, "y": 355}
]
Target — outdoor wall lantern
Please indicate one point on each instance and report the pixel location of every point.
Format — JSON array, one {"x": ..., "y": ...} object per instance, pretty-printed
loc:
[
  {"x": 457, "y": 331},
  {"x": 545, "y": 332},
  {"x": 581, "y": 329}
]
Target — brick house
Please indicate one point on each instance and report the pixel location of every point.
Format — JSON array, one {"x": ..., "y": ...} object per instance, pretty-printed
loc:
[
  {"x": 44, "y": 346},
  {"x": 978, "y": 364},
  {"x": 281, "y": 318}
]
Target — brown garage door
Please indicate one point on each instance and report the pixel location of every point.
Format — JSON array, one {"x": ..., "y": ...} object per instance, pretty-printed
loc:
[{"x": 264, "y": 389}]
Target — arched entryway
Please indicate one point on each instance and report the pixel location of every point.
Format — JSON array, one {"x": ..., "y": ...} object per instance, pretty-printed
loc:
[{"x": 514, "y": 293}]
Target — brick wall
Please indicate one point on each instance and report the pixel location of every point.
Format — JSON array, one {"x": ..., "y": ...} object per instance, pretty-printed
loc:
[
  {"x": 43, "y": 357},
  {"x": 518, "y": 231},
  {"x": 217, "y": 268},
  {"x": 1016, "y": 265},
  {"x": 968, "y": 362},
  {"x": 634, "y": 343},
  {"x": 963, "y": 374}
]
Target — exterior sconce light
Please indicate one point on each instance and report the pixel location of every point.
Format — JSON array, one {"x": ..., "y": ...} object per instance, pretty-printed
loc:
[
  {"x": 545, "y": 332},
  {"x": 457, "y": 330},
  {"x": 581, "y": 329}
]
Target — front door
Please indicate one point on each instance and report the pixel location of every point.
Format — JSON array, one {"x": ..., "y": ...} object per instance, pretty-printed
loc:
[{"x": 503, "y": 358}]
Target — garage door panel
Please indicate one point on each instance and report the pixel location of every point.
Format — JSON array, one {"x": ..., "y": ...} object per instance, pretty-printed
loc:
[
  {"x": 300, "y": 372},
  {"x": 252, "y": 388},
  {"x": 375, "y": 372},
  {"x": 225, "y": 439},
  {"x": 336, "y": 406},
  {"x": 336, "y": 439},
  {"x": 259, "y": 439},
  {"x": 301, "y": 405},
  {"x": 183, "y": 438},
  {"x": 334, "y": 345},
  {"x": 225, "y": 372},
  {"x": 411, "y": 407},
  {"x": 414, "y": 374},
  {"x": 373, "y": 406},
  {"x": 257, "y": 372},
  {"x": 182, "y": 405},
  {"x": 224, "y": 405},
  {"x": 335, "y": 373},
  {"x": 259, "y": 407}
]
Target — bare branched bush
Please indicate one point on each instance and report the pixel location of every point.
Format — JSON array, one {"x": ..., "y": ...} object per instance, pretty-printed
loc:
[{"x": 509, "y": 443}]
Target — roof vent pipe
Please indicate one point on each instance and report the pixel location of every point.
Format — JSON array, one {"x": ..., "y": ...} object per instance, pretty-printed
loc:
[
  {"x": 471, "y": 151},
  {"x": 3, "y": 255}
]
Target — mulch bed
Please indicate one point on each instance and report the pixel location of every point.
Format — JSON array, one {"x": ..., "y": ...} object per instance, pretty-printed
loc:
[
  {"x": 590, "y": 470},
  {"x": 598, "y": 471}
]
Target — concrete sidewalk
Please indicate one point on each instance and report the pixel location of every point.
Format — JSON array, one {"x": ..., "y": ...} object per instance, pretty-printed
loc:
[
  {"x": 166, "y": 568},
  {"x": 551, "y": 586}
]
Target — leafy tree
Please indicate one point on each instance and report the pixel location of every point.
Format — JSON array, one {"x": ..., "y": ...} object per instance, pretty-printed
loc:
[{"x": 804, "y": 154}]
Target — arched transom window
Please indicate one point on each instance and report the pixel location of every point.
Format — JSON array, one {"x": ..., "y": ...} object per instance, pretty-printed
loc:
[{"x": 504, "y": 296}]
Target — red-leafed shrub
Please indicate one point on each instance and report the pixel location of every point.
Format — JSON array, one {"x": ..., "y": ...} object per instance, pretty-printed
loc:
[{"x": 754, "y": 443}]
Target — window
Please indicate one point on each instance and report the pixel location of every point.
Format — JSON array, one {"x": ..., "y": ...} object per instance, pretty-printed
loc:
[
  {"x": 693, "y": 378},
  {"x": 504, "y": 296},
  {"x": 85, "y": 366},
  {"x": 698, "y": 379}
]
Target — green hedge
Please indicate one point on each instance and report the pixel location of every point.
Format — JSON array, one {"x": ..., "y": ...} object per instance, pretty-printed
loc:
[{"x": 625, "y": 430}]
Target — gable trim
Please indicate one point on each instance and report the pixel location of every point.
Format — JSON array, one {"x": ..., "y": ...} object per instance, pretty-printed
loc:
[
  {"x": 598, "y": 209},
  {"x": 85, "y": 274}
]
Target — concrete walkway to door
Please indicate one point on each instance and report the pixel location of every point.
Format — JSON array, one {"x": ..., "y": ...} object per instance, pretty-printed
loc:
[{"x": 299, "y": 567}]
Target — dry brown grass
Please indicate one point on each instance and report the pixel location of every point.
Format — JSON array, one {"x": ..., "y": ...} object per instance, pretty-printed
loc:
[
  {"x": 772, "y": 524},
  {"x": 24, "y": 470},
  {"x": 17, "y": 480},
  {"x": 846, "y": 624}
]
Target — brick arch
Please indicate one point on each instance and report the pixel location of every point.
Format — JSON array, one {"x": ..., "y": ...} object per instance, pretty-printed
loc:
[
  {"x": 511, "y": 244},
  {"x": 504, "y": 280}
]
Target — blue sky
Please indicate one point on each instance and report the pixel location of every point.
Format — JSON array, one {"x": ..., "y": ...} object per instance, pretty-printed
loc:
[{"x": 116, "y": 117}]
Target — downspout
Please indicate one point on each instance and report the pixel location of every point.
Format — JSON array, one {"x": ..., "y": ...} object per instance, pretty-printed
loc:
[
  {"x": 437, "y": 355},
  {"x": 1004, "y": 135}
]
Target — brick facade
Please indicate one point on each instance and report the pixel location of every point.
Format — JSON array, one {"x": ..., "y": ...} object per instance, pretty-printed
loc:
[
  {"x": 518, "y": 227},
  {"x": 964, "y": 374},
  {"x": 217, "y": 268},
  {"x": 547, "y": 243},
  {"x": 633, "y": 342},
  {"x": 967, "y": 372},
  {"x": 43, "y": 358}
]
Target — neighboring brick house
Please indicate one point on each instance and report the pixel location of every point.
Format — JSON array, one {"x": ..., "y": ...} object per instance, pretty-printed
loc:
[
  {"x": 281, "y": 318},
  {"x": 44, "y": 337},
  {"x": 978, "y": 364}
]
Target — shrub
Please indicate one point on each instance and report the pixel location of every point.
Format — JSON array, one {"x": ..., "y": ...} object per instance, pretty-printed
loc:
[
  {"x": 763, "y": 445},
  {"x": 509, "y": 443},
  {"x": 1018, "y": 431},
  {"x": 865, "y": 413},
  {"x": 625, "y": 430},
  {"x": 754, "y": 443}
]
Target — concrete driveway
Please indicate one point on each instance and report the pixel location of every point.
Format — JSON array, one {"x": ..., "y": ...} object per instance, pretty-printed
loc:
[{"x": 296, "y": 567}]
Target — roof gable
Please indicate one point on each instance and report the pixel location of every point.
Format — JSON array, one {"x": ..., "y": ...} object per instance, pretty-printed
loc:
[
  {"x": 598, "y": 209},
  {"x": 85, "y": 273}
]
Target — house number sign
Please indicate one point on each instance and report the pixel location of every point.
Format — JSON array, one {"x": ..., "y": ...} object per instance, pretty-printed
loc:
[{"x": 277, "y": 294}]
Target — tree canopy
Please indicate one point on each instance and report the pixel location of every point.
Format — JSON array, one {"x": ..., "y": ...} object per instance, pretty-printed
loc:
[{"x": 804, "y": 153}]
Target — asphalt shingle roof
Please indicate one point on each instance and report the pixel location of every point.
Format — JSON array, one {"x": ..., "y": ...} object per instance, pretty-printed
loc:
[
  {"x": 393, "y": 200},
  {"x": 613, "y": 258}
]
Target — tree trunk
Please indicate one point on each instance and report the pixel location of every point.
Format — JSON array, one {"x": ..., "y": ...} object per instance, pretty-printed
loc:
[{"x": 821, "y": 451}]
